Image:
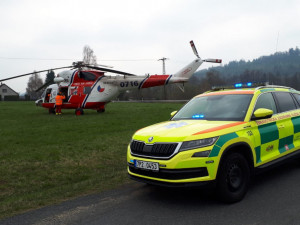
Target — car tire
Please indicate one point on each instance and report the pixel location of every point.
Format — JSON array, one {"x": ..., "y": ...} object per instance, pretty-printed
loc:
[
  {"x": 233, "y": 178},
  {"x": 51, "y": 110},
  {"x": 101, "y": 110},
  {"x": 79, "y": 112}
]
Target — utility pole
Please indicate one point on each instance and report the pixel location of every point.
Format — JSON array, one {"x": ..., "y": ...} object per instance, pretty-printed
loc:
[
  {"x": 164, "y": 65},
  {"x": 163, "y": 59}
]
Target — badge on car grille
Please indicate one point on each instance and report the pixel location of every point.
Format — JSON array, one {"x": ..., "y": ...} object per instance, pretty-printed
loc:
[{"x": 150, "y": 139}]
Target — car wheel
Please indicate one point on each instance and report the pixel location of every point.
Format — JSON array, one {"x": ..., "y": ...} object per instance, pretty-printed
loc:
[
  {"x": 101, "y": 110},
  {"x": 233, "y": 178},
  {"x": 78, "y": 111},
  {"x": 51, "y": 110}
]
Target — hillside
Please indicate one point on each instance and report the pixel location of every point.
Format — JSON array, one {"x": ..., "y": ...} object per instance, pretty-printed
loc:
[{"x": 282, "y": 68}]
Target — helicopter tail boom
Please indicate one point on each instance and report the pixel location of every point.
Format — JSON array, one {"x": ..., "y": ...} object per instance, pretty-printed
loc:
[
  {"x": 191, "y": 68},
  {"x": 188, "y": 71}
]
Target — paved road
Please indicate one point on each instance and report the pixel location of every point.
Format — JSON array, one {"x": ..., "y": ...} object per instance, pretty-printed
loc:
[{"x": 274, "y": 198}]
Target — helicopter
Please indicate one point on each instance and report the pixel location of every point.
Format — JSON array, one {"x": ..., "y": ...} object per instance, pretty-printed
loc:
[{"x": 87, "y": 87}]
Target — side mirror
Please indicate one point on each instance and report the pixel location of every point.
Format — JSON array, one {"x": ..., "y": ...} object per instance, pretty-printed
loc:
[
  {"x": 262, "y": 113},
  {"x": 173, "y": 113}
]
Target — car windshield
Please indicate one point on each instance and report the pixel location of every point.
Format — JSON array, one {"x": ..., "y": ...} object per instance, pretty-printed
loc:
[{"x": 230, "y": 107}]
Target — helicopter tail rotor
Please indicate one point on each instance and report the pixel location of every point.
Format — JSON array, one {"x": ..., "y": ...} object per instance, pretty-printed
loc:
[{"x": 194, "y": 49}]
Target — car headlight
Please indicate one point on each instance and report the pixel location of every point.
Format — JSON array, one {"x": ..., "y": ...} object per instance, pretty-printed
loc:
[{"x": 186, "y": 145}]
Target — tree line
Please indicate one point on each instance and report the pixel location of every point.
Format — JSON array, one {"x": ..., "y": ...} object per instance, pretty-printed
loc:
[{"x": 281, "y": 68}]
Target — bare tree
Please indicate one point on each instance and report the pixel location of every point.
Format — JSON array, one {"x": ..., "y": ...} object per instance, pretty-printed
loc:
[
  {"x": 88, "y": 56},
  {"x": 34, "y": 82}
]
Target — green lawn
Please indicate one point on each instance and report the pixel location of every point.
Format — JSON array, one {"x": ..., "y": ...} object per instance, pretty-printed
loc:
[{"x": 45, "y": 159}]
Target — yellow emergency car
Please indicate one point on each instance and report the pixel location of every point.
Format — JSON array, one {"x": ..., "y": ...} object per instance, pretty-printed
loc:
[{"x": 222, "y": 137}]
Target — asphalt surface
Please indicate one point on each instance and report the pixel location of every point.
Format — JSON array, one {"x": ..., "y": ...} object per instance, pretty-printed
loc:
[{"x": 273, "y": 198}]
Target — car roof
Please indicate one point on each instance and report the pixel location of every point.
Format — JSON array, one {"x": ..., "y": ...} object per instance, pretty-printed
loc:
[
  {"x": 240, "y": 91},
  {"x": 229, "y": 92}
]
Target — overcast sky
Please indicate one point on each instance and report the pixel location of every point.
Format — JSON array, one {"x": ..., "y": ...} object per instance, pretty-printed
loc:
[{"x": 132, "y": 35}]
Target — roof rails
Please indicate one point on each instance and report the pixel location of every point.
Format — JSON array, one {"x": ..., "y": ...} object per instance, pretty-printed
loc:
[
  {"x": 256, "y": 85},
  {"x": 274, "y": 86}
]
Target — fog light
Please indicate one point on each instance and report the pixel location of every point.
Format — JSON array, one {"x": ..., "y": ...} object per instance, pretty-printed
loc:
[{"x": 202, "y": 154}]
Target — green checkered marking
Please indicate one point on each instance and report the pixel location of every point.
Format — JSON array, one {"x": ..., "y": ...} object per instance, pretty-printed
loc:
[
  {"x": 257, "y": 152},
  {"x": 287, "y": 141},
  {"x": 221, "y": 141},
  {"x": 296, "y": 123},
  {"x": 268, "y": 132}
]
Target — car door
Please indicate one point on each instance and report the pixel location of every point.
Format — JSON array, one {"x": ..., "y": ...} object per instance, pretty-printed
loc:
[
  {"x": 296, "y": 122},
  {"x": 287, "y": 108},
  {"x": 268, "y": 134}
]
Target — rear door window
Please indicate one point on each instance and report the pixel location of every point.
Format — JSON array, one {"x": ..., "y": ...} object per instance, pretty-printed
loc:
[
  {"x": 285, "y": 101},
  {"x": 297, "y": 97}
]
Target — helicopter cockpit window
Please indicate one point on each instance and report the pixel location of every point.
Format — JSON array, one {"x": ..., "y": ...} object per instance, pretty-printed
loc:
[
  {"x": 87, "y": 76},
  {"x": 87, "y": 90}
]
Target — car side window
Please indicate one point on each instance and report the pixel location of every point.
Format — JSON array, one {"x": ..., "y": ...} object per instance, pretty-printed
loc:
[
  {"x": 297, "y": 97},
  {"x": 285, "y": 101},
  {"x": 266, "y": 101}
]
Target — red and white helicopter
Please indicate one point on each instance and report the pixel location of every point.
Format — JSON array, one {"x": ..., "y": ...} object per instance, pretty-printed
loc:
[{"x": 91, "y": 89}]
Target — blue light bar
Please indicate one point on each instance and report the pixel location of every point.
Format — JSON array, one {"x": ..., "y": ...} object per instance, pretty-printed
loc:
[
  {"x": 238, "y": 85},
  {"x": 198, "y": 116}
]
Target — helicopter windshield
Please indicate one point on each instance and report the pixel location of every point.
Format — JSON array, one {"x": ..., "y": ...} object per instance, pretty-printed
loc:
[{"x": 87, "y": 76}]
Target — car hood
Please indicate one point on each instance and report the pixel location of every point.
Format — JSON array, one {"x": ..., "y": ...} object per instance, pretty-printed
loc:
[{"x": 183, "y": 130}]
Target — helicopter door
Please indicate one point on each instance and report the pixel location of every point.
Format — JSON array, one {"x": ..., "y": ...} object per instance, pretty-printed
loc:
[
  {"x": 48, "y": 94},
  {"x": 64, "y": 91}
]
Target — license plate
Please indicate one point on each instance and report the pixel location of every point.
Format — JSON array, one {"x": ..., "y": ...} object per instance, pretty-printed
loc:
[{"x": 154, "y": 166}]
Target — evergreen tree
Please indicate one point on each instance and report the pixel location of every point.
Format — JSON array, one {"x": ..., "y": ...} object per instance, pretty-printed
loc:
[{"x": 49, "y": 77}]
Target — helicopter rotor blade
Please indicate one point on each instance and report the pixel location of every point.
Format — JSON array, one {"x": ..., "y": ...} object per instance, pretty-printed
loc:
[
  {"x": 109, "y": 70},
  {"x": 194, "y": 49},
  {"x": 26, "y": 74}
]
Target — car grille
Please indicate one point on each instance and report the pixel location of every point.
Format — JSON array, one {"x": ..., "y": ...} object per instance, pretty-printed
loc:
[{"x": 158, "y": 150}]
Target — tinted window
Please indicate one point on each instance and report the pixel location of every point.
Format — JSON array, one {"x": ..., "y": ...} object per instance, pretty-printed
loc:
[
  {"x": 297, "y": 97},
  {"x": 266, "y": 101},
  {"x": 87, "y": 76},
  {"x": 87, "y": 90},
  {"x": 285, "y": 101},
  {"x": 215, "y": 107}
]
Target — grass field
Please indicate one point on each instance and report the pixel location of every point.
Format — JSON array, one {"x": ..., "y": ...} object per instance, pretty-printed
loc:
[{"x": 45, "y": 159}]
